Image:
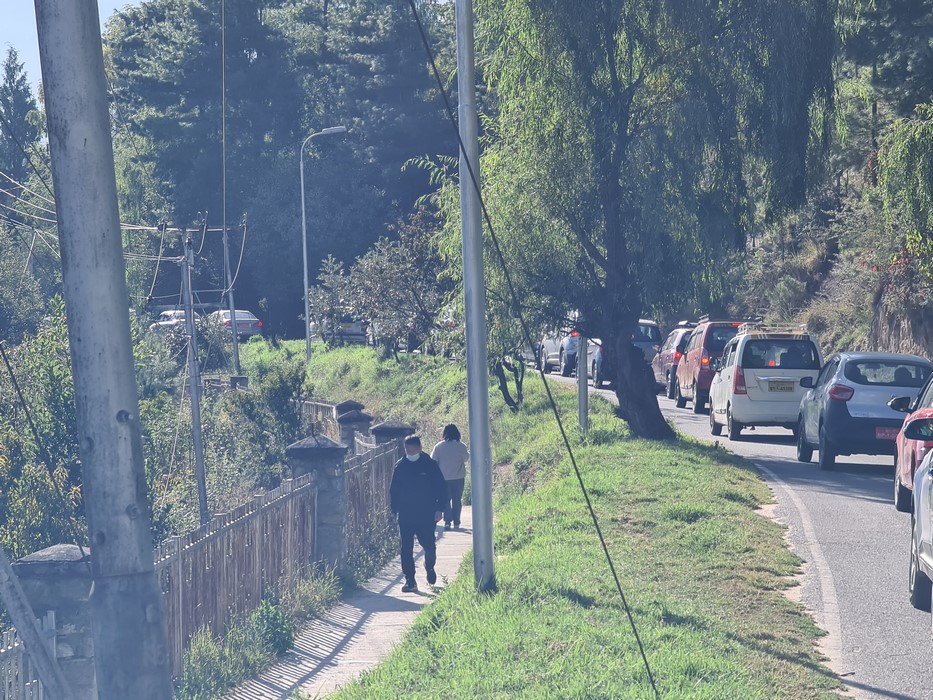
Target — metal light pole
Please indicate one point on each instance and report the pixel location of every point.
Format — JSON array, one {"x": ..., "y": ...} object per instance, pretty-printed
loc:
[
  {"x": 127, "y": 610},
  {"x": 304, "y": 229},
  {"x": 474, "y": 297}
]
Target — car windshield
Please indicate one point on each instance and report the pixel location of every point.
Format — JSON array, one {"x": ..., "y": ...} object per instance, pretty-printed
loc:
[
  {"x": 648, "y": 333},
  {"x": 240, "y": 316},
  {"x": 887, "y": 373},
  {"x": 785, "y": 354},
  {"x": 718, "y": 336}
]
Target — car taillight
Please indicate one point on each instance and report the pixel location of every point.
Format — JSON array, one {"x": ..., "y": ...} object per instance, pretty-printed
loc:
[
  {"x": 738, "y": 383},
  {"x": 227, "y": 324},
  {"x": 704, "y": 360},
  {"x": 677, "y": 356},
  {"x": 259, "y": 323},
  {"x": 841, "y": 392},
  {"x": 574, "y": 334}
]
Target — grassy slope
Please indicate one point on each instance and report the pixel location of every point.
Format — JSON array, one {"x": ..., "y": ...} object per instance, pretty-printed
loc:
[{"x": 701, "y": 569}]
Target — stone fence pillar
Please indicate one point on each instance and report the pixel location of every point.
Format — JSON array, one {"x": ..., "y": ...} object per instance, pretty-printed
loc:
[
  {"x": 392, "y": 431},
  {"x": 320, "y": 455},
  {"x": 58, "y": 579},
  {"x": 351, "y": 423}
]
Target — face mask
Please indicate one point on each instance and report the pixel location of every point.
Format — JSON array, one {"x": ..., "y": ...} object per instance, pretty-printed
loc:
[{"x": 412, "y": 458}]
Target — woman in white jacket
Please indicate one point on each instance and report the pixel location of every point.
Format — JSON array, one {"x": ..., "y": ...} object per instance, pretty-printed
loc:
[{"x": 452, "y": 456}]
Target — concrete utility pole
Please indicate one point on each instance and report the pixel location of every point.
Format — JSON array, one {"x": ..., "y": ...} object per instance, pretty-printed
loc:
[
  {"x": 230, "y": 304},
  {"x": 304, "y": 230},
  {"x": 474, "y": 298},
  {"x": 194, "y": 380},
  {"x": 583, "y": 396},
  {"x": 127, "y": 611}
]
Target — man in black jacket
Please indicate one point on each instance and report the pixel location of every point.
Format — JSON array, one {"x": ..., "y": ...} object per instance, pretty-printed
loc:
[{"x": 417, "y": 495}]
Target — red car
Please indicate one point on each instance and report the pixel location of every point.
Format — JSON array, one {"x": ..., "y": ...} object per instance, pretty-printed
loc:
[
  {"x": 910, "y": 453},
  {"x": 696, "y": 369},
  {"x": 664, "y": 364}
]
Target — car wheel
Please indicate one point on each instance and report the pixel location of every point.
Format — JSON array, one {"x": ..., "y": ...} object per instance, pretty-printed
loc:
[
  {"x": 714, "y": 427},
  {"x": 827, "y": 458},
  {"x": 734, "y": 427},
  {"x": 670, "y": 385},
  {"x": 919, "y": 585},
  {"x": 804, "y": 451},
  {"x": 545, "y": 365},
  {"x": 903, "y": 496},
  {"x": 564, "y": 365},
  {"x": 597, "y": 377},
  {"x": 679, "y": 399},
  {"x": 698, "y": 403}
]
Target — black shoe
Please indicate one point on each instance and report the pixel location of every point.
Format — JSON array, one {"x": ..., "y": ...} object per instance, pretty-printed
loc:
[
  {"x": 456, "y": 526},
  {"x": 446, "y": 526},
  {"x": 410, "y": 586},
  {"x": 432, "y": 576}
]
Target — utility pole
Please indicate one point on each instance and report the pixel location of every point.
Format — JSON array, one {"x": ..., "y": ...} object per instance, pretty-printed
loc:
[
  {"x": 474, "y": 298},
  {"x": 583, "y": 396},
  {"x": 230, "y": 304},
  {"x": 127, "y": 610},
  {"x": 194, "y": 379}
]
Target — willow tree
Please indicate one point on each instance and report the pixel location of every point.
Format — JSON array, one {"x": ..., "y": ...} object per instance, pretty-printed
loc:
[{"x": 636, "y": 139}]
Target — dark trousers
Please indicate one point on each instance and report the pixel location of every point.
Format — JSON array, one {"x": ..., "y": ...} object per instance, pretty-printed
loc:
[
  {"x": 425, "y": 534},
  {"x": 454, "y": 503}
]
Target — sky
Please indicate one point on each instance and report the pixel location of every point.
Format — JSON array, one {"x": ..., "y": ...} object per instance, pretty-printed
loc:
[{"x": 18, "y": 29}]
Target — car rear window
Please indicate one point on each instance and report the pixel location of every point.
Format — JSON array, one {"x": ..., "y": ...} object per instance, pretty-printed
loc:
[
  {"x": 647, "y": 334},
  {"x": 887, "y": 373},
  {"x": 718, "y": 336},
  {"x": 784, "y": 354}
]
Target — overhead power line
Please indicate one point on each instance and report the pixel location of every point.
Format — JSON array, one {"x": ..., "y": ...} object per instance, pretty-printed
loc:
[{"x": 527, "y": 336}]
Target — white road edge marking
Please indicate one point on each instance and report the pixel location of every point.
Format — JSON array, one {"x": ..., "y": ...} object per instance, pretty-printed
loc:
[{"x": 829, "y": 618}]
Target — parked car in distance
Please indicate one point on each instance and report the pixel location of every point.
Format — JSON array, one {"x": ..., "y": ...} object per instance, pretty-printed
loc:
[
  {"x": 247, "y": 325},
  {"x": 909, "y": 453},
  {"x": 846, "y": 410},
  {"x": 694, "y": 374},
  {"x": 348, "y": 331},
  {"x": 559, "y": 350},
  {"x": 665, "y": 361},
  {"x": 757, "y": 382},
  {"x": 921, "y": 532},
  {"x": 168, "y": 321},
  {"x": 647, "y": 338}
]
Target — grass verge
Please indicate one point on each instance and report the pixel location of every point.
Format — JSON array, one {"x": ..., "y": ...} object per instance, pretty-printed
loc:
[{"x": 702, "y": 569}]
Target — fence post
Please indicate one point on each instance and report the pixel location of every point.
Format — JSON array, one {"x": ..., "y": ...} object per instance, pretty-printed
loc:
[
  {"x": 58, "y": 579},
  {"x": 392, "y": 431},
  {"x": 351, "y": 423},
  {"x": 324, "y": 457}
]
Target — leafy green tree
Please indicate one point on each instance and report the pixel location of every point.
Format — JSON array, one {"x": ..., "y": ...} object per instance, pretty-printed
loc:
[
  {"x": 19, "y": 113},
  {"x": 638, "y": 131}
]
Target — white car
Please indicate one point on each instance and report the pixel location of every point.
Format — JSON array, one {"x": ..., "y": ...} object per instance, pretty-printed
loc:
[
  {"x": 559, "y": 350},
  {"x": 168, "y": 321},
  {"x": 758, "y": 379},
  {"x": 921, "y": 536}
]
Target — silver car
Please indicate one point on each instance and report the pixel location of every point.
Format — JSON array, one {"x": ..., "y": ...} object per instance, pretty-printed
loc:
[
  {"x": 921, "y": 538},
  {"x": 247, "y": 325},
  {"x": 845, "y": 410}
]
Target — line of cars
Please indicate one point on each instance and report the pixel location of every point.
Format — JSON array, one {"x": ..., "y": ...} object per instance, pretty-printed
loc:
[
  {"x": 853, "y": 403},
  {"x": 173, "y": 320}
]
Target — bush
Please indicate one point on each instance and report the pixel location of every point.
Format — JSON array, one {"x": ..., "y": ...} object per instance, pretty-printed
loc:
[{"x": 274, "y": 626}]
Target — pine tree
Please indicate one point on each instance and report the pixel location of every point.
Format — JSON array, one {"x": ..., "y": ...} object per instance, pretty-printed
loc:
[{"x": 18, "y": 127}]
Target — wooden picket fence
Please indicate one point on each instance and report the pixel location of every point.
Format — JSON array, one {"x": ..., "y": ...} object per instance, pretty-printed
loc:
[
  {"x": 224, "y": 568},
  {"x": 368, "y": 476},
  {"x": 18, "y": 678}
]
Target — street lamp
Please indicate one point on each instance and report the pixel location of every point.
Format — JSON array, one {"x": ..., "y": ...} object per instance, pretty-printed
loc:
[{"x": 304, "y": 229}]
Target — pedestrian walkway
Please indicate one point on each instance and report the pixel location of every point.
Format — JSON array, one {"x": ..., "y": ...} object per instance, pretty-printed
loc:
[{"x": 361, "y": 630}]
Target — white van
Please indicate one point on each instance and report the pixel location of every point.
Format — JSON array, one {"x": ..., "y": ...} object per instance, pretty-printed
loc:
[{"x": 757, "y": 381}]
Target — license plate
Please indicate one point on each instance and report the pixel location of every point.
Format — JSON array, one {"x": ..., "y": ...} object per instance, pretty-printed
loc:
[
  {"x": 886, "y": 433},
  {"x": 781, "y": 386}
]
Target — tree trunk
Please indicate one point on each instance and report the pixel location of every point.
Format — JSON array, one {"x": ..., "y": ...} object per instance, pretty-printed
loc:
[
  {"x": 499, "y": 370},
  {"x": 637, "y": 393}
]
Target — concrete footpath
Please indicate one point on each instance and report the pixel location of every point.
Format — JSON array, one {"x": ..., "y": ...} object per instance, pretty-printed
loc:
[{"x": 361, "y": 630}]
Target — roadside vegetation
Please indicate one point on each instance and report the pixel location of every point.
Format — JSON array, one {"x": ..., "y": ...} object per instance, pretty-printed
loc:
[{"x": 702, "y": 569}]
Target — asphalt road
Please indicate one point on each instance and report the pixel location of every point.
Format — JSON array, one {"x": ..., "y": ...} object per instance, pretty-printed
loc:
[{"x": 843, "y": 524}]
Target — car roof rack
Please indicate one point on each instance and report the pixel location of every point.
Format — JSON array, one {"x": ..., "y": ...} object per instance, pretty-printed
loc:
[
  {"x": 772, "y": 331},
  {"x": 686, "y": 324}
]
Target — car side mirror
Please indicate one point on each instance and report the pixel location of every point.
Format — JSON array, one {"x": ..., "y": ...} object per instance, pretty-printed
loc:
[
  {"x": 901, "y": 404},
  {"x": 807, "y": 383},
  {"x": 919, "y": 429},
  {"x": 717, "y": 365}
]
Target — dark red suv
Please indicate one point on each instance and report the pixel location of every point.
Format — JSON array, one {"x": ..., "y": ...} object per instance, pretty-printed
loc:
[
  {"x": 696, "y": 369},
  {"x": 664, "y": 364}
]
